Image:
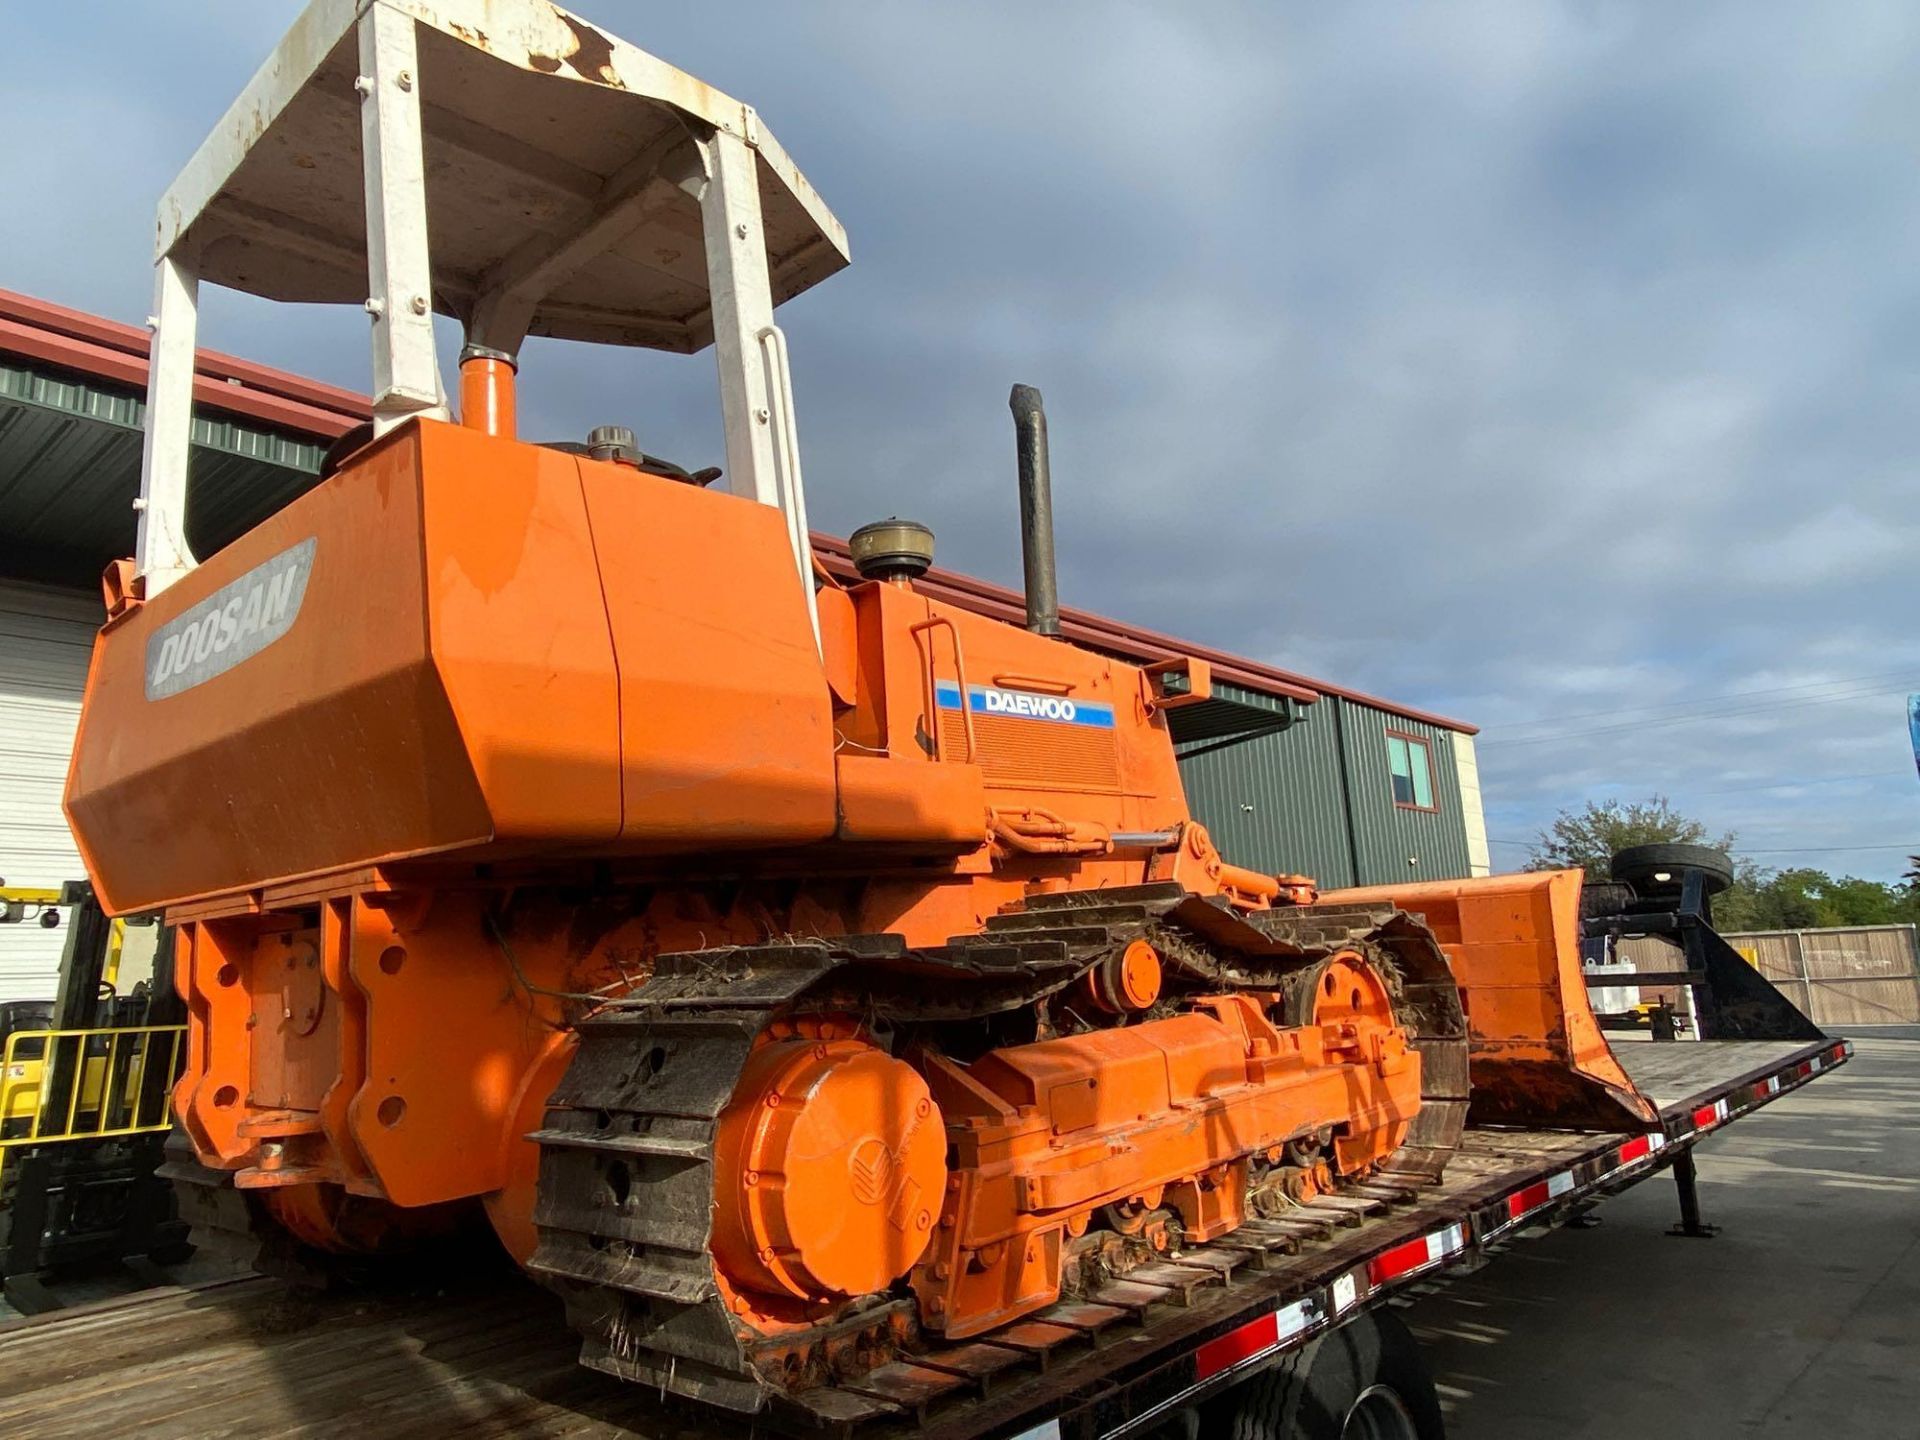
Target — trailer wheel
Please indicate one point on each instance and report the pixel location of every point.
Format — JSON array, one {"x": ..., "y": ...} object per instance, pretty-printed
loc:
[
  {"x": 1658, "y": 867},
  {"x": 1364, "y": 1381}
]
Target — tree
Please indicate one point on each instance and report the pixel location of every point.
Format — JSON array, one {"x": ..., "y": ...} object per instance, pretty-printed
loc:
[
  {"x": 1798, "y": 899},
  {"x": 1849, "y": 901},
  {"x": 1586, "y": 839},
  {"x": 1785, "y": 900},
  {"x": 1806, "y": 899}
]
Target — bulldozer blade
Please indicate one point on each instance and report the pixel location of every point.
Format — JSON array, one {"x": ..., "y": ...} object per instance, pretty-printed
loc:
[{"x": 1536, "y": 1055}]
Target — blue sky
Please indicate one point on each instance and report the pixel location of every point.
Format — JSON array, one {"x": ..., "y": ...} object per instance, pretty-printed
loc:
[{"x": 1551, "y": 366}]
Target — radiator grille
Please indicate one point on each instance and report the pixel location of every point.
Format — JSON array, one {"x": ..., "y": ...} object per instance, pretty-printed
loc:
[{"x": 1027, "y": 754}]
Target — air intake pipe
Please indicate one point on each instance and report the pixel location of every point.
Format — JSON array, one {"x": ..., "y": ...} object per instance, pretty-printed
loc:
[{"x": 1036, "y": 511}]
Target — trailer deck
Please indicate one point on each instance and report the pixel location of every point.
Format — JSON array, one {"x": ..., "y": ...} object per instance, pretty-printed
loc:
[{"x": 490, "y": 1354}]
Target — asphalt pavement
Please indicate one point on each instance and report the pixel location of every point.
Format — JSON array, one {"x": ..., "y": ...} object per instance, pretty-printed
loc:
[{"x": 1801, "y": 1318}]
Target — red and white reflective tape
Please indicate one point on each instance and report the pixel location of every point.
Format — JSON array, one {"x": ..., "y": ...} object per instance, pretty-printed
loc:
[
  {"x": 1822, "y": 1061},
  {"x": 1405, "y": 1259},
  {"x": 1252, "y": 1341},
  {"x": 1708, "y": 1116},
  {"x": 1765, "y": 1089},
  {"x": 1641, "y": 1146},
  {"x": 1541, "y": 1192}
]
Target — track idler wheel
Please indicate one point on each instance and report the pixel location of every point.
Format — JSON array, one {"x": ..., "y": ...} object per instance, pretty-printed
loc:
[
  {"x": 1346, "y": 998},
  {"x": 1344, "y": 991},
  {"x": 829, "y": 1172}
]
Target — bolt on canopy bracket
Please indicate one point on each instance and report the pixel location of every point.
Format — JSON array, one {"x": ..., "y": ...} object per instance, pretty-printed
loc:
[{"x": 406, "y": 370}]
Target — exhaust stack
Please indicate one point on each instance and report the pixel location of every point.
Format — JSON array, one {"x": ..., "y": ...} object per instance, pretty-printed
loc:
[{"x": 1036, "y": 511}]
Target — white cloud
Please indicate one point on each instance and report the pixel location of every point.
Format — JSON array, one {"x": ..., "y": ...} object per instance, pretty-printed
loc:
[{"x": 1508, "y": 361}]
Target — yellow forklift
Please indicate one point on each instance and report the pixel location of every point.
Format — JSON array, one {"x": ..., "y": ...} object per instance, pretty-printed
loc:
[{"x": 84, "y": 1080}]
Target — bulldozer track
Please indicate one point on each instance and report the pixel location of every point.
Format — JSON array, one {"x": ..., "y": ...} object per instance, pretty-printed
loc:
[{"x": 624, "y": 1209}]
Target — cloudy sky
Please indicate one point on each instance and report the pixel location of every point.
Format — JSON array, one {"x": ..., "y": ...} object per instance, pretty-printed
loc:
[{"x": 1556, "y": 367}]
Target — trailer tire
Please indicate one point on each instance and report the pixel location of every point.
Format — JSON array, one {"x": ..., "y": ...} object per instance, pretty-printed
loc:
[
  {"x": 1639, "y": 865},
  {"x": 1364, "y": 1381}
]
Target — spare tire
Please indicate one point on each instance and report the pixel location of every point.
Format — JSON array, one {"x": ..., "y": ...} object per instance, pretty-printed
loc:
[{"x": 1655, "y": 868}]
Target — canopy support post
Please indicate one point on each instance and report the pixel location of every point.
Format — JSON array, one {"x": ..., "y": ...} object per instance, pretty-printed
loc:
[
  {"x": 756, "y": 398},
  {"x": 406, "y": 371},
  {"x": 742, "y": 307},
  {"x": 161, "y": 552}
]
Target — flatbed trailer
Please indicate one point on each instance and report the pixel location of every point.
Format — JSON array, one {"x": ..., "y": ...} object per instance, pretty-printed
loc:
[{"x": 487, "y": 1355}]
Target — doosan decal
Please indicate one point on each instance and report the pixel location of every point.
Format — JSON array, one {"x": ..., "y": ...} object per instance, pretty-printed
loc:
[
  {"x": 1027, "y": 705},
  {"x": 233, "y": 624}
]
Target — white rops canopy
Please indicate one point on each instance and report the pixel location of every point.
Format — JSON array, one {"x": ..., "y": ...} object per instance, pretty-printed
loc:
[{"x": 509, "y": 164}]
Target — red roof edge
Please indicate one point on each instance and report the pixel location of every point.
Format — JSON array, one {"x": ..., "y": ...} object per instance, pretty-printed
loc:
[
  {"x": 93, "y": 346},
  {"x": 1131, "y": 641}
]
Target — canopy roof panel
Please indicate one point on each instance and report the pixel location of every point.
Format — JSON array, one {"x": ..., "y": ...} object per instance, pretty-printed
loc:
[{"x": 548, "y": 143}]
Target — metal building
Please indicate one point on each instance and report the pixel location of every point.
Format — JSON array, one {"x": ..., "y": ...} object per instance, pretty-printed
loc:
[
  {"x": 1292, "y": 774},
  {"x": 1353, "y": 793}
]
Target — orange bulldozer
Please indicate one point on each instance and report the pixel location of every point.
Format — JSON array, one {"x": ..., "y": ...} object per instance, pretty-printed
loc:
[{"x": 795, "y": 971}]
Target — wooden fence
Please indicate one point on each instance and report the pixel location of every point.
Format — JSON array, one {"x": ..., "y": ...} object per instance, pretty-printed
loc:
[
  {"x": 1860, "y": 975},
  {"x": 1863, "y": 975}
]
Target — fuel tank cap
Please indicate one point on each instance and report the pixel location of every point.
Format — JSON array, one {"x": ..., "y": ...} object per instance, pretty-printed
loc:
[{"x": 613, "y": 442}]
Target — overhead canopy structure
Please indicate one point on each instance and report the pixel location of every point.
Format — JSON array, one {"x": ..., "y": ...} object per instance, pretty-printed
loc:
[
  {"x": 561, "y": 170},
  {"x": 508, "y": 164}
]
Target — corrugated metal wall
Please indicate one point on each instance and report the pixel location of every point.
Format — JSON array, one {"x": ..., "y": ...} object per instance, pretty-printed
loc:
[
  {"x": 1276, "y": 803},
  {"x": 72, "y": 449},
  {"x": 46, "y": 637},
  {"x": 1392, "y": 843},
  {"x": 1317, "y": 799}
]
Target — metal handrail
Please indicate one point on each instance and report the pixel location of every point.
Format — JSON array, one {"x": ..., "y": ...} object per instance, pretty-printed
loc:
[{"x": 932, "y": 692}]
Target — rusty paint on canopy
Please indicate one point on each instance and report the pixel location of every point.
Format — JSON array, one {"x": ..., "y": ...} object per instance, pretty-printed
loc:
[{"x": 532, "y": 121}]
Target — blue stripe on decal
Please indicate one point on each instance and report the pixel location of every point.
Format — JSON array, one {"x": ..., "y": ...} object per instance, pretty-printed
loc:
[{"x": 1026, "y": 705}]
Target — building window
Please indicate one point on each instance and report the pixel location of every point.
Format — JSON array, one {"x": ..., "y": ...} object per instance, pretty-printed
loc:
[{"x": 1411, "y": 761}]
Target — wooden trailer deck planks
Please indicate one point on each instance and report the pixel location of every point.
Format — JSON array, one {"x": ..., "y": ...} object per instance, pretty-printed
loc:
[
  {"x": 1681, "y": 1074},
  {"x": 490, "y": 1357}
]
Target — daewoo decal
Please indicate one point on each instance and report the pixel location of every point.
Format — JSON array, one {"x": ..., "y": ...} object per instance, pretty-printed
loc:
[
  {"x": 1026, "y": 705},
  {"x": 233, "y": 624}
]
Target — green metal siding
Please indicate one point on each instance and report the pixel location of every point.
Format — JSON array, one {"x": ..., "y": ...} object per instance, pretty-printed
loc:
[
  {"x": 1317, "y": 799},
  {"x": 70, "y": 467},
  {"x": 1392, "y": 843},
  {"x": 1276, "y": 803}
]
